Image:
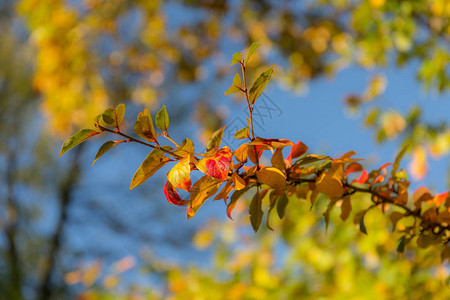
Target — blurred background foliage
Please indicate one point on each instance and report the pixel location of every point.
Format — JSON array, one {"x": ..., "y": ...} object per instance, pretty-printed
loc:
[{"x": 62, "y": 62}]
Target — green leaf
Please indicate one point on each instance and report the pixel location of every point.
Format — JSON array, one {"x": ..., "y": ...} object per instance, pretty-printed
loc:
[
  {"x": 152, "y": 163},
  {"x": 259, "y": 84},
  {"x": 399, "y": 157},
  {"x": 236, "y": 86},
  {"x": 144, "y": 126},
  {"x": 186, "y": 148},
  {"x": 251, "y": 50},
  {"x": 162, "y": 119},
  {"x": 120, "y": 114},
  {"x": 362, "y": 226},
  {"x": 281, "y": 205},
  {"x": 109, "y": 116},
  {"x": 77, "y": 139},
  {"x": 105, "y": 148},
  {"x": 242, "y": 133},
  {"x": 237, "y": 57},
  {"x": 256, "y": 212},
  {"x": 215, "y": 139}
]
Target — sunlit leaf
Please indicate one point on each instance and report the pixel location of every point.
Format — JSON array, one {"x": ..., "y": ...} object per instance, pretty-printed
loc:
[
  {"x": 186, "y": 148},
  {"x": 105, "y": 148},
  {"x": 259, "y": 84},
  {"x": 235, "y": 86},
  {"x": 439, "y": 199},
  {"x": 180, "y": 175},
  {"x": 152, "y": 163},
  {"x": 172, "y": 195},
  {"x": 253, "y": 47},
  {"x": 242, "y": 133},
  {"x": 237, "y": 57},
  {"x": 226, "y": 190},
  {"x": 162, "y": 119},
  {"x": 77, "y": 139},
  {"x": 120, "y": 114},
  {"x": 234, "y": 198},
  {"x": 353, "y": 167},
  {"x": 239, "y": 183},
  {"x": 241, "y": 153},
  {"x": 217, "y": 165},
  {"x": 215, "y": 139},
  {"x": 272, "y": 177},
  {"x": 298, "y": 150},
  {"x": 204, "y": 188},
  {"x": 278, "y": 160},
  {"x": 143, "y": 126},
  {"x": 330, "y": 184}
]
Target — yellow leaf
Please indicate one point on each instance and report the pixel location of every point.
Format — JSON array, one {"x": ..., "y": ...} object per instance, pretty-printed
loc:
[
  {"x": 204, "y": 188},
  {"x": 180, "y": 175},
  {"x": 330, "y": 184},
  {"x": 239, "y": 183},
  {"x": 272, "y": 177}
]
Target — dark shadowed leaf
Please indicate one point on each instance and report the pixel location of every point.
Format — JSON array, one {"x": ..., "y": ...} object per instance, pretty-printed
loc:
[
  {"x": 281, "y": 205},
  {"x": 256, "y": 212}
]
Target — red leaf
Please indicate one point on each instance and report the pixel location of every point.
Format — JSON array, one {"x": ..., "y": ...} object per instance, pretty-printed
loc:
[
  {"x": 172, "y": 195},
  {"x": 363, "y": 178},
  {"x": 218, "y": 165},
  {"x": 380, "y": 178}
]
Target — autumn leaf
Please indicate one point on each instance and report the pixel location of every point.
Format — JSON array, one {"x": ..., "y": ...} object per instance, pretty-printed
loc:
[
  {"x": 77, "y": 139},
  {"x": 234, "y": 198},
  {"x": 418, "y": 166},
  {"x": 241, "y": 153},
  {"x": 239, "y": 183},
  {"x": 180, "y": 175},
  {"x": 186, "y": 148},
  {"x": 242, "y": 133},
  {"x": 439, "y": 199},
  {"x": 278, "y": 160},
  {"x": 172, "y": 195},
  {"x": 143, "y": 126},
  {"x": 272, "y": 177},
  {"x": 215, "y": 139},
  {"x": 105, "y": 148},
  {"x": 253, "y": 47},
  {"x": 152, "y": 163},
  {"x": 255, "y": 211},
  {"x": 217, "y": 165},
  {"x": 204, "y": 188},
  {"x": 162, "y": 119},
  {"x": 297, "y": 150},
  {"x": 330, "y": 184}
]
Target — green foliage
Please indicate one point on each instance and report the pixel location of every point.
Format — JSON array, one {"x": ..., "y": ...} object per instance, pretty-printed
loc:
[{"x": 162, "y": 119}]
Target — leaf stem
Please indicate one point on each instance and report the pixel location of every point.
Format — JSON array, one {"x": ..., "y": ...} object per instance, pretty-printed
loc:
[
  {"x": 132, "y": 139},
  {"x": 166, "y": 135}
]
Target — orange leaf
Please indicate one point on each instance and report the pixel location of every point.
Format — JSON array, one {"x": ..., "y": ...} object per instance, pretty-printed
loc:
[
  {"x": 180, "y": 175},
  {"x": 278, "y": 161},
  {"x": 439, "y": 199},
  {"x": 330, "y": 184},
  {"x": 218, "y": 165},
  {"x": 172, "y": 195},
  {"x": 255, "y": 151},
  {"x": 354, "y": 167},
  {"x": 380, "y": 178},
  {"x": 273, "y": 143},
  {"x": 297, "y": 150},
  {"x": 241, "y": 153}
]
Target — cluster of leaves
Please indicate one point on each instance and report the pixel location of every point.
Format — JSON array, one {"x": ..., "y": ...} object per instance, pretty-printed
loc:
[{"x": 423, "y": 217}]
